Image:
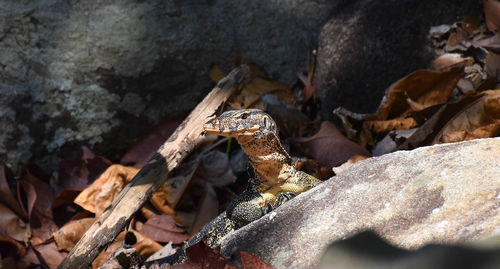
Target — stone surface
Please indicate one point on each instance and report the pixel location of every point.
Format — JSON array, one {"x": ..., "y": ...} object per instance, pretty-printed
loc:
[
  {"x": 368, "y": 44},
  {"x": 446, "y": 194},
  {"x": 101, "y": 73}
]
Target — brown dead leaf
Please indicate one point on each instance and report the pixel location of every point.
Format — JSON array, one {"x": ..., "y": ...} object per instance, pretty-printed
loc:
[
  {"x": 50, "y": 255},
  {"x": 101, "y": 193},
  {"x": 457, "y": 41},
  {"x": 478, "y": 120},
  {"x": 487, "y": 41},
  {"x": 144, "y": 245},
  {"x": 202, "y": 256},
  {"x": 41, "y": 219},
  {"x": 380, "y": 126},
  {"x": 6, "y": 195},
  {"x": 68, "y": 235},
  {"x": 329, "y": 146},
  {"x": 313, "y": 168},
  {"x": 493, "y": 65},
  {"x": 449, "y": 61},
  {"x": 142, "y": 150},
  {"x": 249, "y": 96},
  {"x": 291, "y": 121},
  {"x": 164, "y": 228},
  {"x": 427, "y": 131},
  {"x": 251, "y": 261},
  {"x": 354, "y": 159},
  {"x": 168, "y": 195},
  {"x": 471, "y": 23},
  {"x": 13, "y": 225},
  {"x": 216, "y": 73},
  {"x": 491, "y": 11},
  {"x": 207, "y": 210},
  {"x": 11, "y": 248},
  {"x": 425, "y": 87},
  {"x": 81, "y": 171}
]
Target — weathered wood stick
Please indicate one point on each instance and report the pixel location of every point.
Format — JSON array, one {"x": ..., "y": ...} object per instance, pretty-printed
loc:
[{"x": 154, "y": 173}]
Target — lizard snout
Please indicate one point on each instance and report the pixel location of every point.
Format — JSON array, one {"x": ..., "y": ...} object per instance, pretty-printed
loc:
[{"x": 212, "y": 126}]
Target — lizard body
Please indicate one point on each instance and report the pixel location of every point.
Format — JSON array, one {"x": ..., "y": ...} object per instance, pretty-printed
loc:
[{"x": 276, "y": 179}]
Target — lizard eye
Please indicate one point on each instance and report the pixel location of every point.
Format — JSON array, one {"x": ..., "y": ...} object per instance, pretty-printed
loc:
[
  {"x": 267, "y": 125},
  {"x": 244, "y": 116}
]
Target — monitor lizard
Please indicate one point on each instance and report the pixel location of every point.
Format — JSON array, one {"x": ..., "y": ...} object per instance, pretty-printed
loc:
[{"x": 276, "y": 180}]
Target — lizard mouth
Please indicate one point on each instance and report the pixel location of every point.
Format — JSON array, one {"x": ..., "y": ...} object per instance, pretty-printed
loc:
[{"x": 215, "y": 126}]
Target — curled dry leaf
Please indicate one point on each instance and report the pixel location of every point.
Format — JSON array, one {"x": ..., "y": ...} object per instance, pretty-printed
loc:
[
  {"x": 478, "y": 120},
  {"x": 101, "y": 193},
  {"x": 68, "y": 235},
  {"x": 329, "y": 146}
]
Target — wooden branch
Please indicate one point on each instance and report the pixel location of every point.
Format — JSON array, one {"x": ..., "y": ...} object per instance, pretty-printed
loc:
[{"x": 154, "y": 173}]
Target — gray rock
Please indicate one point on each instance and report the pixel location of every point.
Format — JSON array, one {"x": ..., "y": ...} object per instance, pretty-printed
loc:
[
  {"x": 367, "y": 45},
  {"x": 101, "y": 73},
  {"x": 445, "y": 194}
]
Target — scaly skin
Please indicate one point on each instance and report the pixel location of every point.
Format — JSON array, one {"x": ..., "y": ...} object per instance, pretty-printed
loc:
[{"x": 276, "y": 180}]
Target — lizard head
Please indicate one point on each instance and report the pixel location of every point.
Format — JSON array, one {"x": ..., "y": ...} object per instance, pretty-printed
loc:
[{"x": 245, "y": 122}]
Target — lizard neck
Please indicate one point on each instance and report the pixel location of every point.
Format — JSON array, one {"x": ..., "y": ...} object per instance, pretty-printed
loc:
[{"x": 267, "y": 156}]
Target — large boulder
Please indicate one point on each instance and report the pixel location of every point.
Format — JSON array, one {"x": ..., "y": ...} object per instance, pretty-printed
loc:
[
  {"x": 367, "y": 45},
  {"x": 442, "y": 194},
  {"x": 101, "y": 73}
]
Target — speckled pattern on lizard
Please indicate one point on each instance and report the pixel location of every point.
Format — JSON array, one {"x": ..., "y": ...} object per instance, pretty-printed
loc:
[{"x": 276, "y": 179}]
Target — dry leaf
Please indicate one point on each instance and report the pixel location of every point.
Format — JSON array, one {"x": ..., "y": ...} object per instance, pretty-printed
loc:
[
  {"x": 50, "y": 255},
  {"x": 493, "y": 65},
  {"x": 425, "y": 87},
  {"x": 478, "y": 120},
  {"x": 457, "y": 41},
  {"x": 424, "y": 134},
  {"x": 6, "y": 195},
  {"x": 101, "y": 193},
  {"x": 144, "y": 245},
  {"x": 354, "y": 159},
  {"x": 471, "y": 23},
  {"x": 250, "y": 95},
  {"x": 202, "y": 256},
  {"x": 68, "y": 235},
  {"x": 142, "y": 150},
  {"x": 449, "y": 61},
  {"x": 491, "y": 11},
  {"x": 13, "y": 225},
  {"x": 216, "y": 73},
  {"x": 251, "y": 261},
  {"x": 164, "y": 228},
  {"x": 81, "y": 171},
  {"x": 329, "y": 147}
]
